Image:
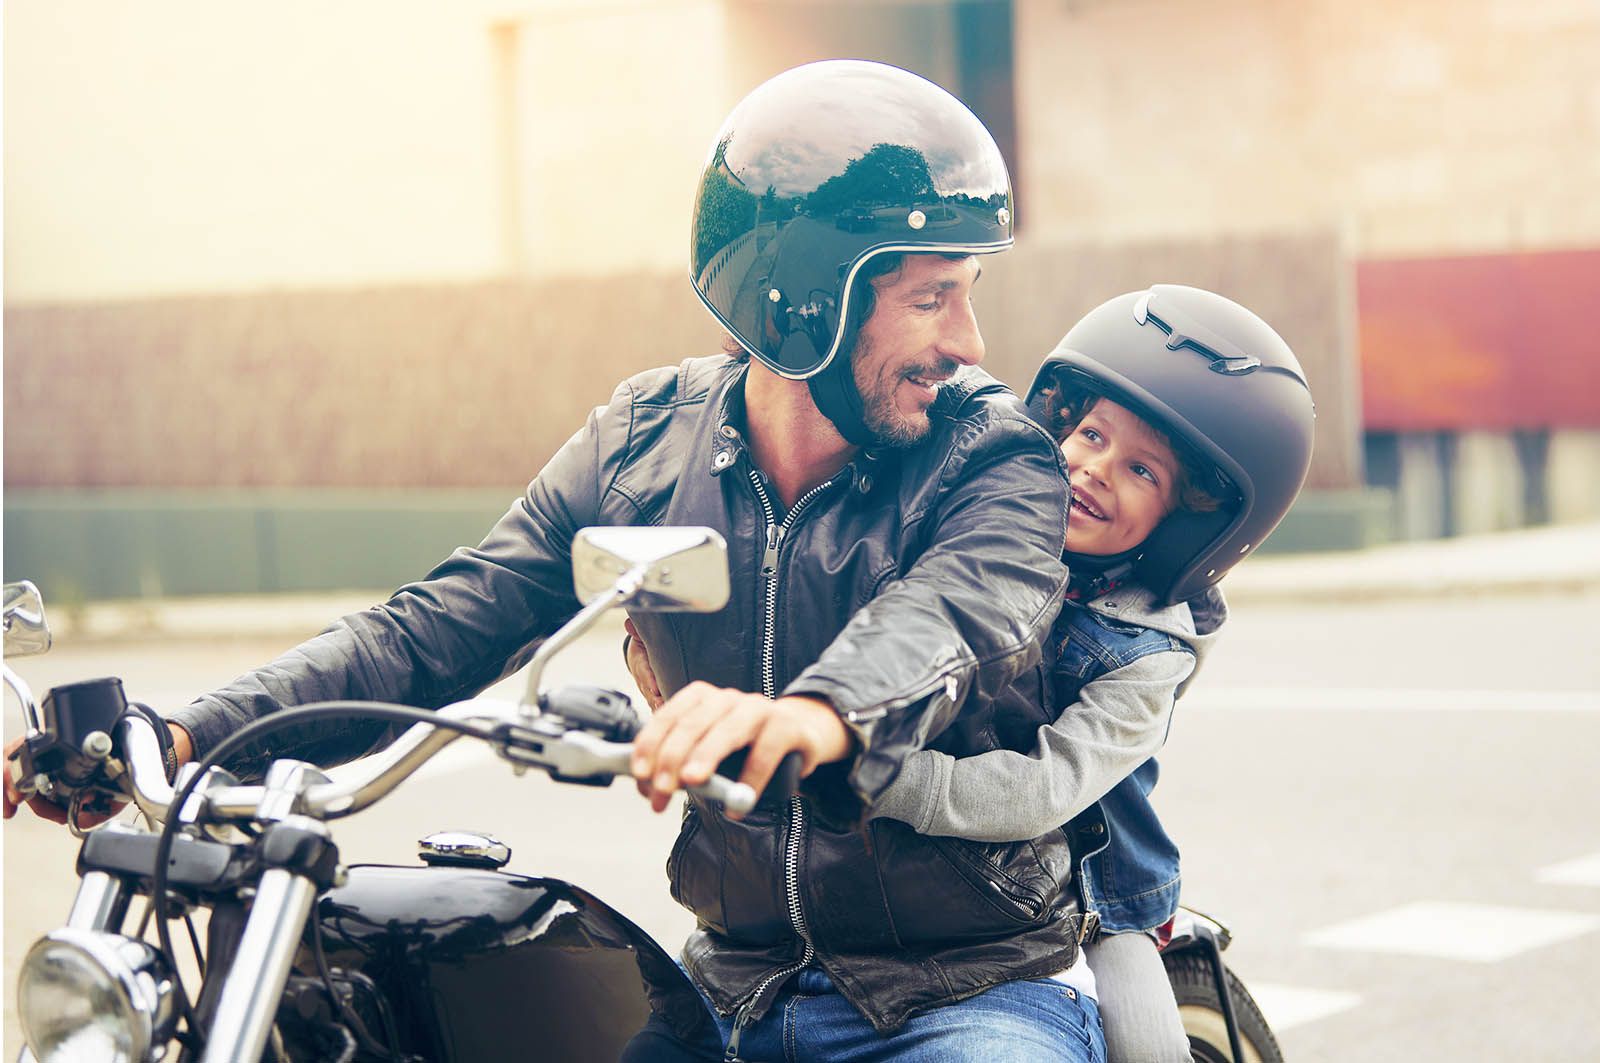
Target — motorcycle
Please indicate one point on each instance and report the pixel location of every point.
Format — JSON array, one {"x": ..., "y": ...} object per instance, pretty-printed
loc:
[
  {"x": 308, "y": 959},
  {"x": 1222, "y": 1019}
]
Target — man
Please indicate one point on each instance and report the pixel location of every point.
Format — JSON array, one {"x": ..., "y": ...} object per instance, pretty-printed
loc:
[{"x": 894, "y": 522}]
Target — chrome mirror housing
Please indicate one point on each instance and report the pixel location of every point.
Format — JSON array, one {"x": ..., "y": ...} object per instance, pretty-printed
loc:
[
  {"x": 664, "y": 569},
  {"x": 26, "y": 632},
  {"x": 679, "y": 569}
]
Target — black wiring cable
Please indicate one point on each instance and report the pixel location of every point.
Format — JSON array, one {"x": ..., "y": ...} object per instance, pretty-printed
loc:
[
  {"x": 277, "y": 721},
  {"x": 352, "y": 1020},
  {"x": 194, "y": 942}
]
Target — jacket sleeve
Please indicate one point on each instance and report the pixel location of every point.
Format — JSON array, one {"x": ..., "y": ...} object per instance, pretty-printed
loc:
[
  {"x": 968, "y": 616},
  {"x": 474, "y": 619},
  {"x": 1119, "y": 721}
]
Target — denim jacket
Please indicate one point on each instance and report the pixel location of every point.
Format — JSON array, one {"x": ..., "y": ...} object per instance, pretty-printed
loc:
[{"x": 1121, "y": 662}]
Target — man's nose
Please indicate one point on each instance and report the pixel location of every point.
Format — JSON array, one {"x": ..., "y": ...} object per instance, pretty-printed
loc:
[{"x": 961, "y": 339}]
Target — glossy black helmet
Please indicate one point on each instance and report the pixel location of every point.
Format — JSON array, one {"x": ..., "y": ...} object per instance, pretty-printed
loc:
[
  {"x": 1217, "y": 380},
  {"x": 817, "y": 171}
]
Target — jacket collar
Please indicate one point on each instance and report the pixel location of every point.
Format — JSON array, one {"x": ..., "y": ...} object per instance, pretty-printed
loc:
[{"x": 728, "y": 442}]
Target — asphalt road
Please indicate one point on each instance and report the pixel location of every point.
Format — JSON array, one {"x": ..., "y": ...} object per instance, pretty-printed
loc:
[{"x": 1394, "y": 809}]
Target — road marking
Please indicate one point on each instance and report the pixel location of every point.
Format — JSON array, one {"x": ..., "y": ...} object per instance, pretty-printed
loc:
[
  {"x": 1388, "y": 699},
  {"x": 1285, "y": 1006},
  {"x": 1477, "y": 933},
  {"x": 1584, "y": 871}
]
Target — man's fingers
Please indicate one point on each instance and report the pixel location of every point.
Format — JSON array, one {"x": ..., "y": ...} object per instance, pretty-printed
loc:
[
  {"x": 731, "y": 733},
  {"x": 686, "y": 737},
  {"x": 666, "y": 739},
  {"x": 45, "y": 808}
]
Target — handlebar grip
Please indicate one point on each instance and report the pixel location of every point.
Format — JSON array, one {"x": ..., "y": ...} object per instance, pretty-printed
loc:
[
  {"x": 735, "y": 796},
  {"x": 782, "y": 786}
]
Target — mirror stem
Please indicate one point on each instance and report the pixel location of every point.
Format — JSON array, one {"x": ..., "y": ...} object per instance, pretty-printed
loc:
[
  {"x": 622, "y": 592},
  {"x": 30, "y": 710}
]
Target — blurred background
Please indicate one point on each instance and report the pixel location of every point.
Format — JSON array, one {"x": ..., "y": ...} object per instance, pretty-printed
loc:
[{"x": 300, "y": 296}]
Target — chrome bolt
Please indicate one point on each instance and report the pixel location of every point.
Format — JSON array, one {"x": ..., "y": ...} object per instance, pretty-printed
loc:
[
  {"x": 1003, "y": 216},
  {"x": 775, "y": 295},
  {"x": 916, "y": 219}
]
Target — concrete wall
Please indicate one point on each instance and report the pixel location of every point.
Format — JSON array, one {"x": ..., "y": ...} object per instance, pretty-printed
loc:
[{"x": 221, "y": 145}]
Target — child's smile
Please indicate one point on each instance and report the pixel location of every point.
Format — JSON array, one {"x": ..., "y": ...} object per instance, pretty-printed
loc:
[{"x": 1124, "y": 480}]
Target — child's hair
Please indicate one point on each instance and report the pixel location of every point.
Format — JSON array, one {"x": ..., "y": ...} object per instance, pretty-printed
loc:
[{"x": 1065, "y": 405}]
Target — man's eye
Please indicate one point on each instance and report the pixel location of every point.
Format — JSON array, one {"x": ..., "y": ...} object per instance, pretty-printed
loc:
[{"x": 927, "y": 306}]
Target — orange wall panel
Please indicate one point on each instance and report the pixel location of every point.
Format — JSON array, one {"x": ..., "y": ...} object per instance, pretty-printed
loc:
[{"x": 1480, "y": 342}]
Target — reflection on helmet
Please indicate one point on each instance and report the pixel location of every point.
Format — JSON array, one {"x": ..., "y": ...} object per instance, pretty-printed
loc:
[
  {"x": 1218, "y": 379},
  {"x": 815, "y": 172}
]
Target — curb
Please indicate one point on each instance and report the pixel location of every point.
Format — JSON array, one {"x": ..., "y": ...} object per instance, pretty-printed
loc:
[{"x": 1561, "y": 559}]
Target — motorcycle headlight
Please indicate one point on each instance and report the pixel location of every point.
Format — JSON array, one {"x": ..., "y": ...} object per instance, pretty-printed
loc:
[{"x": 89, "y": 995}]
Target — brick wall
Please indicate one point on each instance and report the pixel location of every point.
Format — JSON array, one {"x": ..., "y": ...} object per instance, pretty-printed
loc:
[{"x": 477, "y": 385}]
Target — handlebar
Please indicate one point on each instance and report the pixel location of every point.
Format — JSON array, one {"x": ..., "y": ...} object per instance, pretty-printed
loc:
[{"x": 567, "y": 753}]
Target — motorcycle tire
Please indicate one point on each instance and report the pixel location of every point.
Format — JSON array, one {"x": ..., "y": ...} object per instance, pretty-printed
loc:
[{"x": 1196, "y": 991}]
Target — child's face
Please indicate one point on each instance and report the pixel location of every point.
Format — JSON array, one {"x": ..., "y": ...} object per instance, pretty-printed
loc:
[{"x": 1124, "y": 479}]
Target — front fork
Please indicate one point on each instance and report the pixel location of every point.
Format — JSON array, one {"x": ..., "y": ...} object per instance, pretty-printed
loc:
[
  {"x": 301, "y": 861},
  {"x": 248, "y": 1004}
]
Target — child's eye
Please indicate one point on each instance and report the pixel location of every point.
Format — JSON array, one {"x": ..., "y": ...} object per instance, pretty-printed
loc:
[
  {"x": 1145, "y": 471},
  {"x": 1090, "y": 434}
]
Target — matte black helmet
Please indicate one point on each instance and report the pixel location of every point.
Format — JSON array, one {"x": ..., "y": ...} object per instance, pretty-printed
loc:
[
  {"x": 1218, "y": 380},
  {"x": 816, "y": 171}
]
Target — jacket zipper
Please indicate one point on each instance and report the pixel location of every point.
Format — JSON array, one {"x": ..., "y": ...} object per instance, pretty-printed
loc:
[{"x": 791, "y": 851}]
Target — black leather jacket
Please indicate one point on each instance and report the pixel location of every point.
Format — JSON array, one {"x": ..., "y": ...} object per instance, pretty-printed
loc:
[{"x": 912, "y": 591}]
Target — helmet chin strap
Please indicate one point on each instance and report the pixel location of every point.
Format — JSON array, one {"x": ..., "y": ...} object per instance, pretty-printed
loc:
[{"x": 836, "y": 395}]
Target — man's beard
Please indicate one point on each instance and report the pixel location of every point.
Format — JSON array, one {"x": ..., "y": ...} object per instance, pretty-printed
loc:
[{"x": 890, "y": 427}]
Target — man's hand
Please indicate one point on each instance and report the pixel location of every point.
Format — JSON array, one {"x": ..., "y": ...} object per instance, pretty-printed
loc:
[
  {"x": 45, "y": 808},
  {"x": 644, "y": 675},
  {"x": 701, "y": 724},
  {"x": 42, "y": 806}
]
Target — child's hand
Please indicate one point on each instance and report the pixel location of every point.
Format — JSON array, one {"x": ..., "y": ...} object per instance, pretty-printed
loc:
[{"x": 638, "y": 657}]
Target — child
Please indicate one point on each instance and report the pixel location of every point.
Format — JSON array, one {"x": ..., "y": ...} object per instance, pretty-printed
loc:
[{"x": 1185, "y": 424}]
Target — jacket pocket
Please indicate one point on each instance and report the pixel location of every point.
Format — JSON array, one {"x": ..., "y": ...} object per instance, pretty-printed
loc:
[
  {"x": 694, "y": 871},
  {"x": 950, "y": 889},
  {"x": 996, "y": 872},
  {"x": 686, "y": 832}
]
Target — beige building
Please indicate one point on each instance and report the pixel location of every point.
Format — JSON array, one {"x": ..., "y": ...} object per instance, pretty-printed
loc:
[{"x": 402, "y": 244}]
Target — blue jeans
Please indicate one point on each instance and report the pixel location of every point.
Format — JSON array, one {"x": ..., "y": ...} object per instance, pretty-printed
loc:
[{"x": 1017, "y": 1022}]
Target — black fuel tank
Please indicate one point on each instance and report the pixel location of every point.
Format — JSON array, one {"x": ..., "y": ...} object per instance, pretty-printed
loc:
[{"x": 480, "y": 965}]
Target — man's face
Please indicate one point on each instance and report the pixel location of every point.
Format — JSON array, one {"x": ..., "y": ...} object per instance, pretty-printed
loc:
[
  {"x": 1124, "y": 479},
  {"x": 921, "y": 331}
]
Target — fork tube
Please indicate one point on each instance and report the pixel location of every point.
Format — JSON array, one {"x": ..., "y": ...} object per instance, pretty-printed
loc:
[
  {"x": 101, "y": 903},
  {"x": 249, "y": 1000}
]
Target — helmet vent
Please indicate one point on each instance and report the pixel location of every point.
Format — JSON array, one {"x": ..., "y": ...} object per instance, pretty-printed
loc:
[{"x": 1184, "y": 331}]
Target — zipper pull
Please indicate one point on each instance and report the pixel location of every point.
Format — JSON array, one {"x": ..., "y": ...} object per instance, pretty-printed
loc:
[
  {"x": 769, "y": 561},
  {"x": 741, "y": 1019}
]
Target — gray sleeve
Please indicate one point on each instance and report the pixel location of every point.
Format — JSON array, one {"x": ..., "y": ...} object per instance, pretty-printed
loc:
[{"x": 1118, "y": 721}]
